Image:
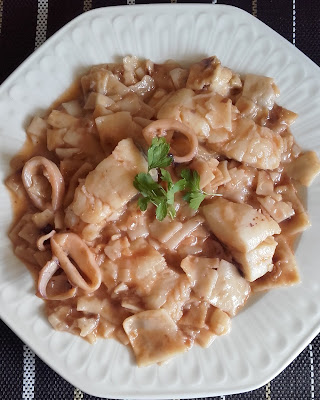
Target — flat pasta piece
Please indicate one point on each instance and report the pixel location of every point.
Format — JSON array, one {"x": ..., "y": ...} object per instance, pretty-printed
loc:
[
  {"x": 278, "y": 210},
  {"x": 115, "y": 127},
  {"x": 205, "y": 337},
  {"x": 154, "y": 337},
  {"x": 164, "y": 230},
  {"x": 299, "y": 222},
  {"x": 202, "y": 274},
  {"x": 231, "y": 290},
  {"x": 177, "y": 298},
  {"x": 195, "y": 315},
  {"x": 260, "y": 89},
  {"x": 305, "y": 168},
  {"x": 210, "y": 74},
  {"x": 165, "y": 282},
  {"x": 140, "y": 267}
]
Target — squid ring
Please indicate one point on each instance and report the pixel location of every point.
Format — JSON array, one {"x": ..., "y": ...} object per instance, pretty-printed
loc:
[
  {"x": 41, "y": 165},
  {"x": 69, "y": 245},
  {"x": 46, "y": 275},
  {"x": 160, "y": 128}
]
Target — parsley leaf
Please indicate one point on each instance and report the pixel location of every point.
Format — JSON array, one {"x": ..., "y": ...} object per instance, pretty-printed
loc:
[
  {"x": 162, "y": 210},
  {"x": 172, "y": 188},
  {"x": 153, "y": 192},
  {"x": 194, "y": 195},
  {"x": 158, "y": 154},
  {"x": 165, "y": 176},
  {"x": 148, "y": 187},
  {"x": 192, "y": 179},
  {"x": 143, "y": 203},
  {"x": 196, "y": 198}
]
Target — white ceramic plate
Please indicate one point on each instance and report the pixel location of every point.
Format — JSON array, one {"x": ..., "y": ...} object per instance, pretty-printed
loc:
[{"x": 270, "y": 333}]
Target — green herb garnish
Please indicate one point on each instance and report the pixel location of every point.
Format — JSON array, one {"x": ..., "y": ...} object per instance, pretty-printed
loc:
[
  {"x": 194, "y": 195},
  {"x": 158, "y": 153},
  {"x": 153, "y": 192}
]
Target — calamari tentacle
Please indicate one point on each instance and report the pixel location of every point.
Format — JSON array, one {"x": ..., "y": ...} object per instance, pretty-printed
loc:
[{"x": 43, "y": 238}]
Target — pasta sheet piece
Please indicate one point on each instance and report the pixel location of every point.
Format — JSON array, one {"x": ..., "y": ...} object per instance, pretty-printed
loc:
[
  {"x": 217, "y": 281},
  {"x": 231, "y": 290},
  {"x": 154, "y": 337}
]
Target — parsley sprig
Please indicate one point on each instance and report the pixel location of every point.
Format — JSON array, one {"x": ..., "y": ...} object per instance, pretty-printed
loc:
[
  {"x": 158, "y": 154},
  {"x": 194, "y": 195},
  {"x": 152, "y": 192},
  {"x": 155, "y": 193}
]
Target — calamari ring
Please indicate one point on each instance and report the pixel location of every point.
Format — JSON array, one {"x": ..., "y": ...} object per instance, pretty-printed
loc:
[
  {"x": 45, "y": 276},
  {"x": 160, "y": 128},
  {"x": 64, "y": 245},
  {"x": 49, "y": 169}
]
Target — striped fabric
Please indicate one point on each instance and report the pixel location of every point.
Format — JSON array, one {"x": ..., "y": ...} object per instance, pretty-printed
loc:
[{"x": 24, "y": 26}]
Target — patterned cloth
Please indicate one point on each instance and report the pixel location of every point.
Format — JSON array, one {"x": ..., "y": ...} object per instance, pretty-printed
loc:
[{"x": 24, "y": 26}]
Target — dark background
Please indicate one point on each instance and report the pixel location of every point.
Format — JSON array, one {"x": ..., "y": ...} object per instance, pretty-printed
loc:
[{"x": 301, "y": 380}]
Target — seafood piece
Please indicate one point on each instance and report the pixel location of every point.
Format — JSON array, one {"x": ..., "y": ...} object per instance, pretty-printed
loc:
[
  {"x": 43, "y": 182},
  {"x": 209, "y": 74},
  {"x": 71, "y": 254},
  {"x": 108, "y": 188},
  {"x": 162, "y": 126},
  {"x": 257, "y": 262},
  {"x": 239, "y": 226}
]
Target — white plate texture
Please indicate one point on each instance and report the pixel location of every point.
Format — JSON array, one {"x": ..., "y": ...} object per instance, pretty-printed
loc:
[{"x": 267, "y": 335}]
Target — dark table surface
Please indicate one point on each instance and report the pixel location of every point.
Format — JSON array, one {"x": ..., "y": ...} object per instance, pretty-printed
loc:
[{"x": 25, "y": 25}]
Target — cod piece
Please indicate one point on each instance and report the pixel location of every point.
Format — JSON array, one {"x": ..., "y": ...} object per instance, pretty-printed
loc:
[
  {"x": 108, "y": 188},
  {"x": 258, "y": 261},
  {"x": 239, "y": 226}
]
